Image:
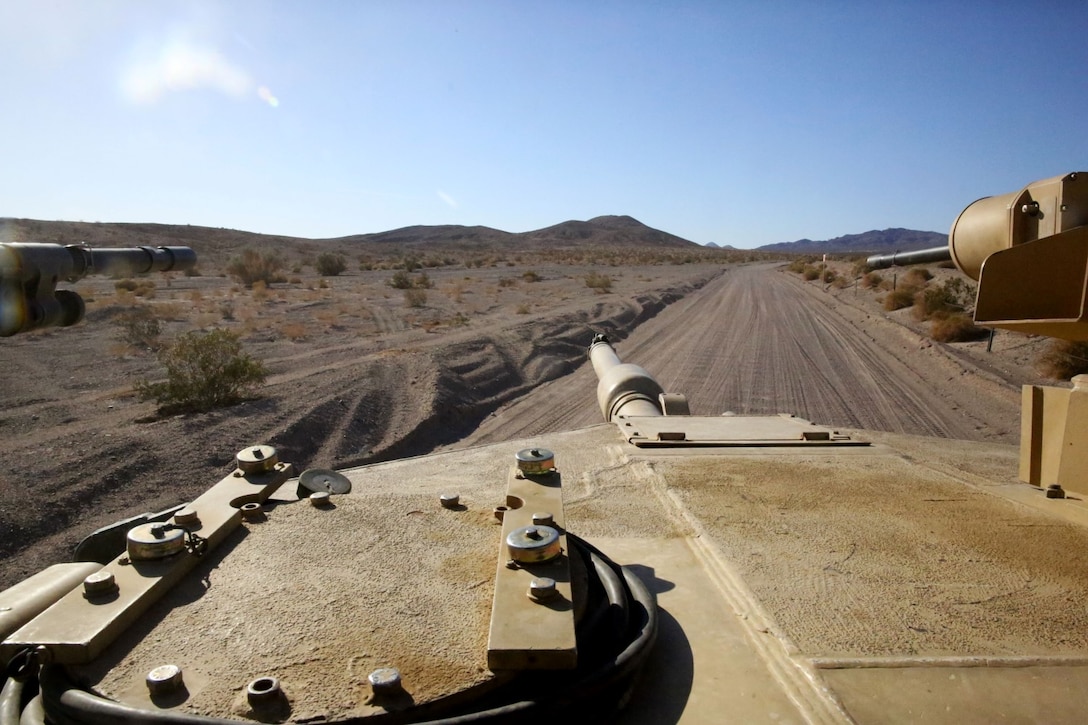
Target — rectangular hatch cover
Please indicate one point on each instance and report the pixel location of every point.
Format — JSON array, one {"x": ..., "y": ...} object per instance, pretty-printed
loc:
[{"x": 728, "y": 430}]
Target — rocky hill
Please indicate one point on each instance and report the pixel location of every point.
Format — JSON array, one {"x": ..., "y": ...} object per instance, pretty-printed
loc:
[{"x": 876, "y": 241}]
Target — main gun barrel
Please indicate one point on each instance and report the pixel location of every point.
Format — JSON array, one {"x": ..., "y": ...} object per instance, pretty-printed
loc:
[
  {"x": 622, "y": 388},
  {"x": 917, "y": 256}
]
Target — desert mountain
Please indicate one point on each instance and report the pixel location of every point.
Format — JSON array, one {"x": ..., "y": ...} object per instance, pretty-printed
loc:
[
  {"x": 876, "y": 241},
  {"x": 602, "y": 231}
]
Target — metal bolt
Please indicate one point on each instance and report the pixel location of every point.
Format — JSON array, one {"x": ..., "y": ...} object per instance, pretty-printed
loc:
[
  {"x": 264, "y": 692},
  {"x": 542, "y": 589},
  {"x": 319, "y": 499},
  {"x": 450, "y": 500},
  {"x": 385, "y": 681},
  {"x": 1055, "y": 490},
  {"x": 164, "y": 680},
  {"x": 187, "y": 517},
  {"x": 533, "y": 533},
  {"x": 99, "y": 584},
  {"x": 543, "y": 518}
]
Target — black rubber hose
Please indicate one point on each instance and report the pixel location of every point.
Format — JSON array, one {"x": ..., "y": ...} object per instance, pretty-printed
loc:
[{"x": 11, "y": 702}]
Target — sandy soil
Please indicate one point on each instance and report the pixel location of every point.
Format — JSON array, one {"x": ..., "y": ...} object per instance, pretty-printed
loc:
[{"x": 358, "y": 376}]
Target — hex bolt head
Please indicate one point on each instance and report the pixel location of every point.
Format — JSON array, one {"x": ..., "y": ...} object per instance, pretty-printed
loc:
[
  {"x": 542, "y": 589},
  {"x": 543, "y": 518},
  {"x": 450, "y": 500},
  {"x": 385, "y": 681},
  {"x": 264, "y": 692},
  {"x": 164, "y": 680},
  {"x": 320, "y": 499},
  {"x": 1055, "y": 490},
  {"x": 99, "y": 584}
]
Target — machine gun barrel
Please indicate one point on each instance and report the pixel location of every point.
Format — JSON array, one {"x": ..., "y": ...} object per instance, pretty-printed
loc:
[
  {"x": 622, "y": 388},
  {"x": 918, "y": 256},
  {"x": 29, "y": 274}
]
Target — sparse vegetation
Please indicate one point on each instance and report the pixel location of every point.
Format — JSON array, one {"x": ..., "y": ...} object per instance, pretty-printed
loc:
[
  {"x": 140, "y": 328},
  {"x": 523, "y": 309},
  {"x": 204, "y": 370},
  {"x": 1063, "y": 359},
  {"x": 330, "y": 265},
  {"x": 530, "y": 276},
  {"x": 252, "y": 266},
  {"x": 415, "y": 297},
  {"x": 599, "y": 282},
  {"x": 871, "y": 280},
  {"x": 900, "y": 298},
  {"x": 955, "y": 327}
]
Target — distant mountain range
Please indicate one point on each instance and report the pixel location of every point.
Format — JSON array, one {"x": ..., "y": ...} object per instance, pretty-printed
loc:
[
  {"x": 601, "y": 231},
  {"x": 887, "y": 240}
]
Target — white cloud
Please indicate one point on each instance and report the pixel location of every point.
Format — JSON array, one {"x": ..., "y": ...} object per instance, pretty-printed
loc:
[
  {"x": 184, "y": 66},
  {"x": 450, "y": 201}
]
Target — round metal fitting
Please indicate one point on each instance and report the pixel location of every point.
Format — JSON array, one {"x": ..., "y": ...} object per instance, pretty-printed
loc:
[
  {"x": 500, "y": 511},
  {"x": 322, "y": 479},
  {"x": 251, "y": 511},
  {"x": 543, "y": 518},
  {"x": 164, "y": 679},
  {"x": 450, "y": 500},
  {"x": 535, "y": 461},
  {"x": 257, "y": 459},
  {"x": 98, "y": 584},
  {"x": 263, "y": 692},
  {"x": 385, "y": 680},
  {"x": 319, "y": 499},
  {"x": 187, "y": 517},
  {"x": 1055, "y": 490},
  {"x": 154, "y": 541},
  {"x": 542, "y": 589},
  {"x": 533, "y": 543}
]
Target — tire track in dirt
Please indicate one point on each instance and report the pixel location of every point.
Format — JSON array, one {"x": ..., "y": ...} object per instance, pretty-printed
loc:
[{"x": 754, "y": 341}]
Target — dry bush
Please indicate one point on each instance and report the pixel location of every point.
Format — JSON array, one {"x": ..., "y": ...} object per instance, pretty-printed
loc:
[
  {"x": 507, "y": 282},
  {"x": 1062, "y": 359},
  {"x": 810, "y": 273},
  {"x": 204, "y": 370},
  {"x": 330, "y": 265},
  {"x": 294, "y": 331},
  {"x": 140, "y": 328},
  {"x": 415, "y": 297},
  {"x": 917, "y": 276},
  {"x": 260, "y": 290},
  {"x": 955, "y": 327},
  {"x": 828, "y": 276},
  {"x": 523, "y": 309},
  {"x": 840, "y": 282},
  {"x": 871, "y": 280},
  {"x": 252, "y": 266},
  {"x": 599, "y": 282},
  {"x": 900, "y": 298},
  {"x": 955, "y": 295},
  {"x": 531, "y": 276}
]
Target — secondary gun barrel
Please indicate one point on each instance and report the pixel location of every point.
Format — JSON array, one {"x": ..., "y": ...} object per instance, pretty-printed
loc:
[
  {"x": 622, "y": 388},
  {"x": 29, "y": 274},
  {"x": 918, "y": 256}
]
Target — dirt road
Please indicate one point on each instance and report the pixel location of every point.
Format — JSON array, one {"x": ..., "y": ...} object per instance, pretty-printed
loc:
[{"x": 759, "y": 341}]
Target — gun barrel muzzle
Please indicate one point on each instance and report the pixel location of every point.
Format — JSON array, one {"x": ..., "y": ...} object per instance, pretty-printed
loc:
[{"x": 622, "y": 388}]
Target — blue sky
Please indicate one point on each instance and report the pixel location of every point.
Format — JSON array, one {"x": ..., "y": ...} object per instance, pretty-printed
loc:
[{"x": 742, "y": 123}]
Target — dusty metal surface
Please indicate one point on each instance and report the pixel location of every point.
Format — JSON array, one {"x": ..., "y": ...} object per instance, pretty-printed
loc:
[{"x": 796, "y": 584}]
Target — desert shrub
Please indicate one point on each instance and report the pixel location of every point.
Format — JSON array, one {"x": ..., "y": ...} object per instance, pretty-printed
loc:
[
  {"x": 523, "y": 309},
  {"x": 125, "y": 284},
  {"x": 226, "y": 309},
  {"x": 415, "y": 297},
  {"x": 204, "y": 370},
  {"x": 860, "y": 269},
  {"x": 900, "y": 298},
  {"x": 917, "y": 276},
  {"x": 330, "y": 265},
  {"x": 797, "y": 266},
  {"x": 400, "y": 280},
  {"x": 294, "y": 330},
  {"x": 410, "y": 264},
  {"x": 422, "y": 281},
  {"x": 507, "y": 282},
  {"x": 871, "y": 280},
  {"x": 828, "y": 276},
  {"x": 530, "y": 276},
  {"x": 140, "y": 328},
  {"x": 252, "y": 266},
  {"x": 840, "y": 282},
  {"x": 599, "y": 282},
  {"x": 955, "y": 327},
  {"x": 810, "y": 273},
  {"x": 1062, "y": 359},
  {"x": 955, "y": 295}
]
